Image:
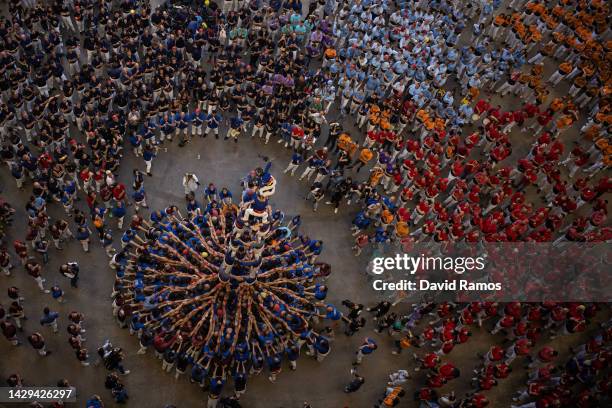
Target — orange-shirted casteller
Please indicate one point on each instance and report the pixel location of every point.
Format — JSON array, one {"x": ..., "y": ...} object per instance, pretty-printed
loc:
[
  {"x": 330, "y": 53},
  {"x": 422, "y": 115},
  {"x": 500, "y": 20},
  {"x": 392, "y": 399},
  {"x": 384, "y": 124},
  {"x": 551, "y": 22}
]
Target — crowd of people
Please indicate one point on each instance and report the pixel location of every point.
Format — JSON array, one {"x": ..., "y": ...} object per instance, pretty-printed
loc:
[
  {"x": 224, "y": 291},
  {"x": 520, "y": 341},
  {"x": 434, "y": 121},
  {"x": 439, "y": 151}
]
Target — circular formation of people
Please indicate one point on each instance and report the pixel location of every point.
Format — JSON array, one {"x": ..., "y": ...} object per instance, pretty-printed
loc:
[{"x": 422, "y": 121}]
